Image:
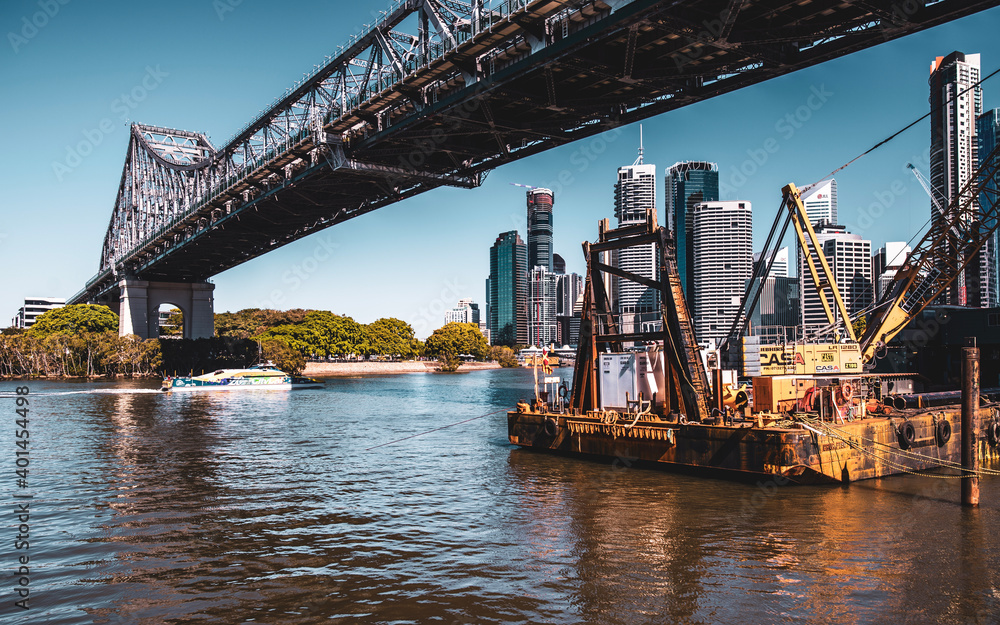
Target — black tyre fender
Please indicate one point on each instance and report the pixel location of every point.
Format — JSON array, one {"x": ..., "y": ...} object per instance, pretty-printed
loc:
[
  {"x": 563, "y": 391},
  {"x": 906, "y": 434},
  {"x": 942, "y": 433},
  {"x": 550, "y": 426},
  {"x": 993, "y": 433}
]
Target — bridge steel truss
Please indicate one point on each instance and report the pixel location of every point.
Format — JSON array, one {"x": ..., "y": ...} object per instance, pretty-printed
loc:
[{"x": 439, "y": 92}]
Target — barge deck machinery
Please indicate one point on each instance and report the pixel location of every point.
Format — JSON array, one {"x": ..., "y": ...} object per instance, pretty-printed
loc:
[{"x": 641, "y": 393}]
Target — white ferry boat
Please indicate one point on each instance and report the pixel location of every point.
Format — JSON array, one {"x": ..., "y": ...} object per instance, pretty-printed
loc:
[{"x": 257, "y": 377}]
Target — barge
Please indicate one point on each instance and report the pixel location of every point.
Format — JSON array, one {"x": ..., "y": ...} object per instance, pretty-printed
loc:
[{"x": 815, "y": 413}]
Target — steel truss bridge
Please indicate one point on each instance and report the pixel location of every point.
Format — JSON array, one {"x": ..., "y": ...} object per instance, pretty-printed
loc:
[{"x": 440, "y": 92}]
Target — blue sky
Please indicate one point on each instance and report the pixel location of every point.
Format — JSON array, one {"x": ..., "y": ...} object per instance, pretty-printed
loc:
[{"x": 208, "y": 70}]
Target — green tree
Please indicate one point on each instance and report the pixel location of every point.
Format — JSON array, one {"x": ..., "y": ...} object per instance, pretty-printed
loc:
[
  {"x": 391, "y": 337},
  {"x": 456, "y": 339},
  {"x": 284, "y": 357},
  {"x": 449, "y": 362},
  {"x": 504, "y": 356},
  {"x": 250, "y": 322},
  {"x": 174, "y": 325},
  {"x": 240, "y": 325},
  {"x": 337, "y": 335},
  {"x": 74, "y": 319},
  {"x": 300, "y": 337}
]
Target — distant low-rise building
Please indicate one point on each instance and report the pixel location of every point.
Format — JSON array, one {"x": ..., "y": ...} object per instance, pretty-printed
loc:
[
  {"x": 467, "y": 311},
  {"x": 33, "y": 308}
]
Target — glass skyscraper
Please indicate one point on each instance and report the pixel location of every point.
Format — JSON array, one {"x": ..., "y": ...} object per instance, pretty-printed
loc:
[
  {"x": 508, "y": 296},
  {"x": 540, "y": 203},
  {"x": 688, "y": 183}
]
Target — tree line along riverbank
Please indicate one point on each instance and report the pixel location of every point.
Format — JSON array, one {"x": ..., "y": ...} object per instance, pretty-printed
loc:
[{"x": 82, "y": 341}]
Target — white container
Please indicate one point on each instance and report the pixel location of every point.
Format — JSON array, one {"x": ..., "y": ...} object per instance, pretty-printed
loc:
[{"x": 618, "y": 376}]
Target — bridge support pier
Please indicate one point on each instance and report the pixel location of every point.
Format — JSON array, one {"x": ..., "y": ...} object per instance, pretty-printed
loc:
[{"x": 141, "y": 300}]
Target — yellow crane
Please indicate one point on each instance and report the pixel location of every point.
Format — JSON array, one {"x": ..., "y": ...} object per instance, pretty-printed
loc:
[{"x": 958, "y": 233}]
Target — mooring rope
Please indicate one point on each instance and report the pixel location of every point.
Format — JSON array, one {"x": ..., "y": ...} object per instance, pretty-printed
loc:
[
  {"x": 443, "y": 427},
  {"x": 825, "y": 430}
]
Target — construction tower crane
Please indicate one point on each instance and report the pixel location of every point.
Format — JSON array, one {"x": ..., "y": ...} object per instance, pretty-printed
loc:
[
  {"x": 940, "y": 257},
  {"x": 925, "y": 183}
]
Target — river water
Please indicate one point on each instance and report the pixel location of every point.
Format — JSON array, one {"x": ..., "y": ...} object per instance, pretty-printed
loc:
[{"x": 277, "y": 507}]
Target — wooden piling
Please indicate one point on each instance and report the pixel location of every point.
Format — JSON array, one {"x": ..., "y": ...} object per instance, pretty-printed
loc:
[
  {"x": 717, "y": 384},
  {"x": 970, "y": 422}
]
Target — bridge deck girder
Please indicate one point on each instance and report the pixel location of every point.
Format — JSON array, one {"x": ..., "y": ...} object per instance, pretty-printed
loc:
[{"x": 552, "y": 72}]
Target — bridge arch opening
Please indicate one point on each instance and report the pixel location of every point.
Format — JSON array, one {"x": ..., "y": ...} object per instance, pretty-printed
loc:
[
  {"x": 142, "y": 301},
  {"x": 171, "y": 321}
]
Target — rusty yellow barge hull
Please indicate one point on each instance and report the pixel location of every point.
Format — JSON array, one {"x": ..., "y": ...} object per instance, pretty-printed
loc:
[{"x": 800, "y": 453}]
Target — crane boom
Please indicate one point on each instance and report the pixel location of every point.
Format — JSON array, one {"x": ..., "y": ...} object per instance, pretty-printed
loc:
[
  {"x": 940, "y": 257},
  {"x": 811, "y": 252}
]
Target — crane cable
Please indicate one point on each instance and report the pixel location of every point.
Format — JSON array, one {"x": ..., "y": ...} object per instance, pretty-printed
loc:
[
  {"x": 876, "y": 305},
  {"x": 901, "y": 131}
]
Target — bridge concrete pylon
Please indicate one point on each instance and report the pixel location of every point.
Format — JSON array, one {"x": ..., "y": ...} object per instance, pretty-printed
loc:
[{"x": 141, "y": 301}]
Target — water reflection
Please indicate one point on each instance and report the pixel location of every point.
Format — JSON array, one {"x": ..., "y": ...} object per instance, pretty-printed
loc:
[
  {"x": 232, "y": 507},
  {"x": 653, "y": 544}
]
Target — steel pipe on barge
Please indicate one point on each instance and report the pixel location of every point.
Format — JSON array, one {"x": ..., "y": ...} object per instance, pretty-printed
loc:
[{"x": 929, "y": 400}]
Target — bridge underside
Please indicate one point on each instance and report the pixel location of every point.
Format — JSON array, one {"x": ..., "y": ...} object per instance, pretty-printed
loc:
[{"x": 529, "y": 83}]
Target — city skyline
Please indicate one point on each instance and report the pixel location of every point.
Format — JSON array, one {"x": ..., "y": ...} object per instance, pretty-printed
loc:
[{"x": 64, "y": 89}]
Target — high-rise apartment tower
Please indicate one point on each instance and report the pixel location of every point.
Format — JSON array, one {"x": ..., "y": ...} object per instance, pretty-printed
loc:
[
  {"x": 635, "y": 196},
  {"x": 722, "y": 240},
  {"x": 988, "y": 135},
  {"x": 956, "y": 100}
]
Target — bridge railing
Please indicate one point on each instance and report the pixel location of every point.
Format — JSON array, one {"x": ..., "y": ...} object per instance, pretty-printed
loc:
[{"x": 226, "y": 174}]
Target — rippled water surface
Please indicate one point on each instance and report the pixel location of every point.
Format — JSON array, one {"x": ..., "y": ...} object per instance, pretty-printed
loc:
[{"x": 277, "y": 507}]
